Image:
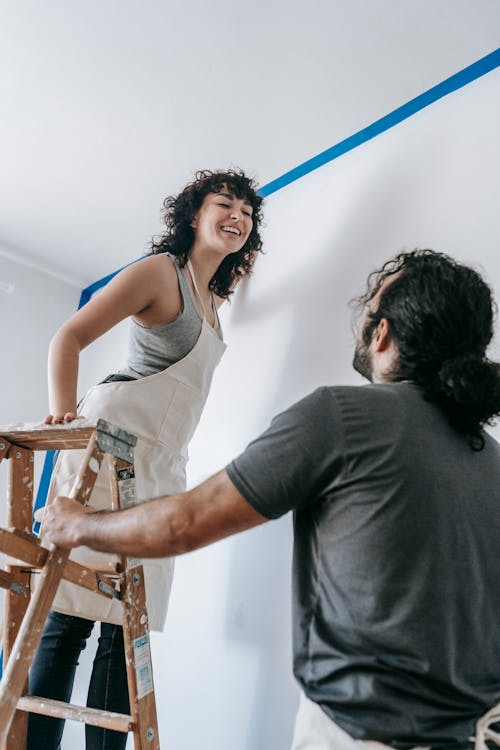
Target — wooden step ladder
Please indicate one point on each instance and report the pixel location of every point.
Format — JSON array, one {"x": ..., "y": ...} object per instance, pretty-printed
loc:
[{"x": 25, "y": 613}]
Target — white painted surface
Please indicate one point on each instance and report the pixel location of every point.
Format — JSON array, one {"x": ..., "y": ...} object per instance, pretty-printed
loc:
[{"x": 30, "y": 314}]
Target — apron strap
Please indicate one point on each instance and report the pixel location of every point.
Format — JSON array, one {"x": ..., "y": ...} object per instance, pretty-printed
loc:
[
  {"x": 216, "y": 313},
  {"x": 214, "y": 307},
  {"x": 483, "y": 731}
]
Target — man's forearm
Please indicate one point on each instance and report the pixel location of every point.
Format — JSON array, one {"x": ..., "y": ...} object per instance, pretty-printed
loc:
[
  {"x": 129, "y": 532},
  {"x": 162, "y": 527}
]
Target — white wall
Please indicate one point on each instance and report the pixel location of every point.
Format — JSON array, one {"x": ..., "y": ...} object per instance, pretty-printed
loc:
[
  {"x": 38, "y": 304},
  {"x": 32, "y": 306}
]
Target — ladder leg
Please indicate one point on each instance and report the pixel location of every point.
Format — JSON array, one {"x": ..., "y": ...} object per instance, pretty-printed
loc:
[
  {"x": 15, "y": 608},
  {"x": 19, "y": 509},
  {"x": 30, "y": 631},
  {"x": 135, "y": 624},
  {"x": 138, "y": 658}
]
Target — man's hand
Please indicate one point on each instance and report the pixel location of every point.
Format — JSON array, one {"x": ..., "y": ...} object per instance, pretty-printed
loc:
[{"x": 63, "y": 522}]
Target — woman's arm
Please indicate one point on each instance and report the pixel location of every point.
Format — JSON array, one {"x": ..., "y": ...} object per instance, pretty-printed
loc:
[{"x": 134, "y": 291}]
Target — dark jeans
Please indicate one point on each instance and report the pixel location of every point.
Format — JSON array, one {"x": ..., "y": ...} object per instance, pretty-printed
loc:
[{"x": 53, "y": 672}]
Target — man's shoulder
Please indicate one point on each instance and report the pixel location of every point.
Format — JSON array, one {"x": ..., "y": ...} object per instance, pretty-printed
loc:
[
  {"x": 329, "y": 401},
  {"x": 372, "y": 401},
  {"x": 368, "y": 392}
]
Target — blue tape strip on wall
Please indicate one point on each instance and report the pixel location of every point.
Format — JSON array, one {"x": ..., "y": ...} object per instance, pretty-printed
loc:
[{"x": 456, "y": 81}]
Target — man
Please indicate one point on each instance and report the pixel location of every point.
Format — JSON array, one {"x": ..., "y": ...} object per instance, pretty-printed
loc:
[{"x": 396, "y": 493}]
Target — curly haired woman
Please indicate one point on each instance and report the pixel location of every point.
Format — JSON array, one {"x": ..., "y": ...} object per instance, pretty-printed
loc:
[{"x": 171, "y": 296}]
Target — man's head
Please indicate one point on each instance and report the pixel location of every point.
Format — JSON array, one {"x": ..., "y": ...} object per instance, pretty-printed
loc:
[{"x": 429, "y": 319}]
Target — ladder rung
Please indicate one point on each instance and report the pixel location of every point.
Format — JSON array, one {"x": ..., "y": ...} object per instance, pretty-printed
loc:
[{"x": 61, "y": 710}]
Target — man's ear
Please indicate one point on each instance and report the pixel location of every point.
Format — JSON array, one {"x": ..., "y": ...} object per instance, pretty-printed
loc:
[{"x": 382, "y": 335}]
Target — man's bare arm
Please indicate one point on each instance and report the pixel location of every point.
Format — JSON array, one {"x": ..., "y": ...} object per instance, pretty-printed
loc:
[{"x": 162, "y": 527}]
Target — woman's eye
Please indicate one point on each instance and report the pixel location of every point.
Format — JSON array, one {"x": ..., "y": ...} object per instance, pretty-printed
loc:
[{"x": 229, "y": 205}]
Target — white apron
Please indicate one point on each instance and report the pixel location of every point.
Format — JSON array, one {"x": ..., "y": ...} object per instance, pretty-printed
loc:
[{"x": 162, "y": 411}]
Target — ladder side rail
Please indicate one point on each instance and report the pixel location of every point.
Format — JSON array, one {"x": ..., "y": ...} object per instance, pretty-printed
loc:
[
  {"x": 19, "y": 515},
  {"x": 136, "y": 633}
]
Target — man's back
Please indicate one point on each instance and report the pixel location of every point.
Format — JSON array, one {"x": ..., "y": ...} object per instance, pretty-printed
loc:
[{"x": 397, "y": 629}]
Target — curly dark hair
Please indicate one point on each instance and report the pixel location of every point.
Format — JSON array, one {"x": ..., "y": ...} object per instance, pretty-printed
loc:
[
  {"x": 441, "y": 316},
  {"x": 180, "y": 210}
]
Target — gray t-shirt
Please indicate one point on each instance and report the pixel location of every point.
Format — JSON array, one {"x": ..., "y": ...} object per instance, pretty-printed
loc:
[{"x": 396, "y": 571}]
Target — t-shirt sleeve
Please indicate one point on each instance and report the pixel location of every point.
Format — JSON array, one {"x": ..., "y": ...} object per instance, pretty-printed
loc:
[{"x": 290, "y": 464}]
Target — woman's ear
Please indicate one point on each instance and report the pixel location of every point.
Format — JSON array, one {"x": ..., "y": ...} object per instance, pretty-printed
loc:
[{"x": 194, "y": 222}]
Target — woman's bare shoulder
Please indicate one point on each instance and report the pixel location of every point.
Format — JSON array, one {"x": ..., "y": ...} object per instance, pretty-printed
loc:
[
  {"x": 155, "y": 270},
  {"x": 159, "y": 275},
  {"x": 157, "y": 263}
]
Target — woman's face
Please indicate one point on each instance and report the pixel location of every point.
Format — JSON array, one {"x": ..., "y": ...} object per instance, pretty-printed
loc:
[{"x": 223, "y": 222}]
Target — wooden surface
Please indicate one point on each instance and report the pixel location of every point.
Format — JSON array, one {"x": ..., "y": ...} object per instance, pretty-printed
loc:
[
  {"x": 19, "y": 515},
  {"x": 94, "y": 716},
  {"x": 49, "y": 437}
]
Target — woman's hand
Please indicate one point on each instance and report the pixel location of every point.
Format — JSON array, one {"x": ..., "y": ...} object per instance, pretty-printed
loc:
[{"x": 61, "y": 418}]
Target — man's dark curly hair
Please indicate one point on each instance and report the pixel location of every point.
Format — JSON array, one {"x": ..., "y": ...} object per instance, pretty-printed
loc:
[
  {"x": 441, "y": 316},
  {"x": 180, "y": 210}
]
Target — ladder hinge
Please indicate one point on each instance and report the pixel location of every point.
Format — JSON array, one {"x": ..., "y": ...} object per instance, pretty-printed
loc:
[
  {"x": 114, "y": 440},
  {"x": 106, "y": 588}
]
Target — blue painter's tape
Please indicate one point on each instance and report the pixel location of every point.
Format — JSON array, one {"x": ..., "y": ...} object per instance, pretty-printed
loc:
[
  {"x": 460, "y": 79},
  {"x": 43, "y": 486}
]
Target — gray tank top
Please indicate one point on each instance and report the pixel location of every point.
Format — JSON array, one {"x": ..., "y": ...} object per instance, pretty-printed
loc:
[{"x": 151, "y": 350}]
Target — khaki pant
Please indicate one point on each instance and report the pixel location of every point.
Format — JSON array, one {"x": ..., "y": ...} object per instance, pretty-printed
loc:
[{"x": 314, "y": 730}]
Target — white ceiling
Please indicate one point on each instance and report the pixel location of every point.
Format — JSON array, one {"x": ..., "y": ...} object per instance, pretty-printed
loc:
[{"x": 107, "y": 106}]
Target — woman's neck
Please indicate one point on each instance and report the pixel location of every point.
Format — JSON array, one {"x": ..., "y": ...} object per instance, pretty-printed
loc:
[{"x": 204, "y": 266}]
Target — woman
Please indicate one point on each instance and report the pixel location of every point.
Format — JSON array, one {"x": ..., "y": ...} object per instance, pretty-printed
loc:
[{"x": 175, "y": 343}]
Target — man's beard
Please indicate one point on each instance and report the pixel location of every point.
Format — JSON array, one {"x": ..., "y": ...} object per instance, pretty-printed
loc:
[{"x": 362, "y": 361}]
